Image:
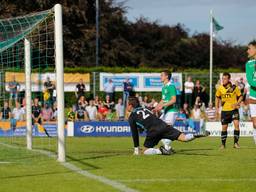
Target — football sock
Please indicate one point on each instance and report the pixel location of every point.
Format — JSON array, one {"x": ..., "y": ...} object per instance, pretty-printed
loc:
[
  {"x": 254, "y": 135},
  {"x": 189, "y": 137},
  {"x": 152, "y": 151},
  {"x": 236, "y": 135},
  {"x": 167, "y": 143},
  {"x": 224, "y": 135},
  {"x": 46, "y": 133}
]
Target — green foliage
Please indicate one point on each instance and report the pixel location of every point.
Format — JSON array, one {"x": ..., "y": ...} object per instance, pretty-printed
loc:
[
  {"x": 143, "y": 43},
  {"x": 117, "y": 69}
]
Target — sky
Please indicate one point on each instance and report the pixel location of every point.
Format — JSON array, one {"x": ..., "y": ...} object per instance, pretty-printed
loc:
[{"x": 238, "y": 17}]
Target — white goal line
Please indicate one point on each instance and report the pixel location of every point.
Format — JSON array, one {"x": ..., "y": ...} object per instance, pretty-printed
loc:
[{"x": 113, "y": 183}]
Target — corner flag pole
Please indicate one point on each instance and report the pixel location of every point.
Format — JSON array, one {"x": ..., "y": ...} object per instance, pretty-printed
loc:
[{"x": 211, "y": 53}]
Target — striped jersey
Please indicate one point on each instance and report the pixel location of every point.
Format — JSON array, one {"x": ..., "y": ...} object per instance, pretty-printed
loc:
[{"x": 229, "y": 95}]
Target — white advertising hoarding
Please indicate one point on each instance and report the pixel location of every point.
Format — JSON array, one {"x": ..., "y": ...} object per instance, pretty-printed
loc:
[
  {"x": 140, "y": 81},
  {"x": 246, "y": 129}
]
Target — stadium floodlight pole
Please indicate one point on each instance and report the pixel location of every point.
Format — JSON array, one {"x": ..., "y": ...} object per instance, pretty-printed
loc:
[
  {"x": 97, "y": 44},
  {"x": 97, "y": 32},
  {"x": 28, "y": 92},
  {"x": 211, "y": 53},
  {"x": 58, "y": 33}
]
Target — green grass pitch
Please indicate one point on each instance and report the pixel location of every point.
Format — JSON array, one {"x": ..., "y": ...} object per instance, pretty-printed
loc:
[{"x": 197, "y": 166}]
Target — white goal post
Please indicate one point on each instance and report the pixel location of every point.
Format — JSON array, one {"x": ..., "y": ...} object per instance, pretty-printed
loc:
[{"x": 23, "y": 40}]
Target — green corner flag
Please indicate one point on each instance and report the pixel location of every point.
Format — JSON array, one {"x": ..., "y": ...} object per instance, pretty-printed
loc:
[{"x": 216, "y": 25}]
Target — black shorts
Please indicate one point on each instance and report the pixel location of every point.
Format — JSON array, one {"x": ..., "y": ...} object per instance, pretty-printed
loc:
[
  {"x": 228, "y": 116},
  {"x": 154, "y": 135},
  {"x": 39, "y": 121}
]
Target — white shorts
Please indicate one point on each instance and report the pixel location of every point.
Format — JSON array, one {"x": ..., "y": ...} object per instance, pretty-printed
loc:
[
  {"x": 252, "y": 110},
  {"x": 169, "y": 117}
]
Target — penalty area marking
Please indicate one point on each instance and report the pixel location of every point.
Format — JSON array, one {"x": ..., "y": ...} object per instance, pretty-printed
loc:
[
  {"x": 186, "y": 179},
  {"x": 112, "y": 183}
]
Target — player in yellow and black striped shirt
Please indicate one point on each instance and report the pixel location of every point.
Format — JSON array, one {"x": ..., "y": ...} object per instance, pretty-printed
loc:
[{"x": 230, "y": 97}]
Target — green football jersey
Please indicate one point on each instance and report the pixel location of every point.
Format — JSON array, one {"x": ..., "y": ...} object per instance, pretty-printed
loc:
[
  {"x": 250, "y": 69},
  {"x": 168, "y": 91}
]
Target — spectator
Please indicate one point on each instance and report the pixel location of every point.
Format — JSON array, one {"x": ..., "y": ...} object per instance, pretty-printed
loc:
[
  {"x": 140, "y": 100},
  {"x": 198, "y": 115},
  {"x": 181, "y": 116},
  {"x": 120, "y": 110},
  {"x": 36, "y": 112},
  {"x": 80, "y": 89},
  {"x": 186, "y": 110},
  {"x": 138, "y": 96},
  {"x": 145, "y": 102},
  {"x": 55, "y": 111},
  {"x": 81, "y": 114},
  {"x": 47, "y": 113},
  {"x": 210, "y": 113},
  {"x": 21, "y": 96},
  {"x": 189, "y": 87},
  {"x": 199, "y": 90},
  {"x": 96, "y": 101},
  {"x": 13, "y": 87},
  {"x": 92, "y": 111},
  {"x": 37, "y": 116},
  {"x": 102, "y": 112},
  {"x": 128, "y": 88},
  {"x": 243, "y": 111},
  {"x": 247, "y": 91},
  {"x": 49, "y": 86},
  {"x": 17, "y": 115},
  {"x": 46, "y": 96},
  {"x": 110, "y": 115},
  {"x": 23, "y": 105},
  {"x": 198, "y": 102},
  {"x": 82, "y": 101},
  {"x": 54, "y": 94},
  {"x": 153, "y": 104},
  {"x": 5, "y": 112},
  {"x": 108, "y": 103},
  {"x": 72, "y": 113},
  {"x": 109, "y": 89},
  {"x": 177, "y": 85},
  {"x": 241, "y": 86}
]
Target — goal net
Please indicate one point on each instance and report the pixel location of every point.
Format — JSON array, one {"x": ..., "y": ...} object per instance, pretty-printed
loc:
[{"x": 31, "y": 78}]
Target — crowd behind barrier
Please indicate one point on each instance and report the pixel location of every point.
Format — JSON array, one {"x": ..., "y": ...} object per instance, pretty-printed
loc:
[{"x": 192, "y": 104}]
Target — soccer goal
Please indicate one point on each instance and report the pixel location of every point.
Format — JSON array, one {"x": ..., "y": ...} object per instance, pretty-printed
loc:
[{"x": 31, "y": 66}]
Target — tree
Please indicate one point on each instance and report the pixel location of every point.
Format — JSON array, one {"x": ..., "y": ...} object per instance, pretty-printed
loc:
[{"x": 122, "y": 43}]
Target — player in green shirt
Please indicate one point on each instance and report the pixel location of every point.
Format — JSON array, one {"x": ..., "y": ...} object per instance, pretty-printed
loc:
[
  {"x": 251, "y": 78},
  {"x": 167, "y": 104}
]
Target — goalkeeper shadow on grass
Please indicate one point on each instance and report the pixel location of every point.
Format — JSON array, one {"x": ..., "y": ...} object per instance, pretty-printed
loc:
[
  {"x": 95, "y": 155},
  {"x": 36, "y": 175},
  {"x": 196, "y": 152}
]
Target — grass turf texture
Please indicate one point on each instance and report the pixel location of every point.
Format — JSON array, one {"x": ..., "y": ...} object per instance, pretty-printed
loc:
[{"x": 197, "y": 166}]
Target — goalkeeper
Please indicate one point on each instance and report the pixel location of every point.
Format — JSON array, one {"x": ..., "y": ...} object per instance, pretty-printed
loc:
[{"x": 142, "y": 119}]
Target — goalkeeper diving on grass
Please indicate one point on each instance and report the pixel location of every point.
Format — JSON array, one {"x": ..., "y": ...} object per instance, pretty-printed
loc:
[{"x": 156, "y": 129}]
